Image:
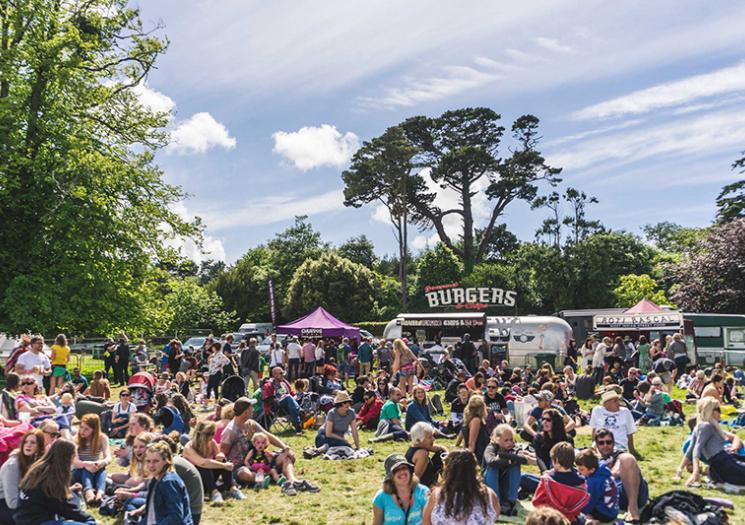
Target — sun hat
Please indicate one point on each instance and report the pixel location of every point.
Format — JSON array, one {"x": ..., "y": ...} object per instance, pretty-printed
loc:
[
  {"x": 544, "y": 395},
  {"x": 341, "y": 398},
  {"x": 609, "y": 395},
  {"x": 394, "y": 461}
]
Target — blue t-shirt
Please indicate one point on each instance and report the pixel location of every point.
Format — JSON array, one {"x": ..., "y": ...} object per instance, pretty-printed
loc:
[
  {"x": 394, "y": 515},
  {"x": 365, "y": 353}
]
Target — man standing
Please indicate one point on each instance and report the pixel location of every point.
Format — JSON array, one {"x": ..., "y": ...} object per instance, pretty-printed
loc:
[
  {"x": 249, "y": 363},
  {"x": 309, "y": 358},
  {"x": 365, "y": 357},
  {"x": 121, "y": 368},
  {"x": 632, "y": 487},
  {"x": 598, "y": 360},
  {"x": 109, "y": 359},
  {"x": 468, "y": 353},
  {"x": 34, "y": 363},
  {"x": 293, "y": 359}
]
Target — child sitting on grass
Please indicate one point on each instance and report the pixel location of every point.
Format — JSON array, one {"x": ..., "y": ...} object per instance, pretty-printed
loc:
[
  {"x": 502, "y": 467},
  {"x": 262, "y": 461},
  {"x": 562, "y": 487},
  {"x": 603, "y": 504}
]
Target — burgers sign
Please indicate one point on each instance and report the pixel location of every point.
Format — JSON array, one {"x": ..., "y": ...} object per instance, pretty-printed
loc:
[{"x": 468, "y": 298}]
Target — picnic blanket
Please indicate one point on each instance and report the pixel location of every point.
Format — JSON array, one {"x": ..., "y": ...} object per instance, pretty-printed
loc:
[{"x": 336, "y": 453}]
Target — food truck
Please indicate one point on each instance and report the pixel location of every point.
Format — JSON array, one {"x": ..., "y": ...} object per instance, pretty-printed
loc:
[{"x": 719, "y": 337}]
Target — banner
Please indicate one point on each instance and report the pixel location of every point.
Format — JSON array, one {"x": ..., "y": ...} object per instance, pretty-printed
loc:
[
  {"x": 672, "y": 320},
  {"x": 271, "y": 303},
  {"x": 468, "y": 298}
]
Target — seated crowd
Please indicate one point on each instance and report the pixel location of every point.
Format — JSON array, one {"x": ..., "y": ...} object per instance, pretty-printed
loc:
[{"x": 156, "y": 462}]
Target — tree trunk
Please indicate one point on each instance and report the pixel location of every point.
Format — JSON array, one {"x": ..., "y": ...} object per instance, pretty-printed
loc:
[
  {"x": 404, "y": 260},
  {"x": 468, "y": 255}
]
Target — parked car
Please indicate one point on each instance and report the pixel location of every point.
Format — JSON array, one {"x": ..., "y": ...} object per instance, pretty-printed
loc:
[
  {"x": 198, "y": 341},
  {"x": 265, "y": 344},
  {"x": 364, "y": 334}
]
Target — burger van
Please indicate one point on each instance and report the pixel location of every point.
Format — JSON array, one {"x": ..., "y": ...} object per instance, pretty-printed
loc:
[{"x": 523, "y": 340}]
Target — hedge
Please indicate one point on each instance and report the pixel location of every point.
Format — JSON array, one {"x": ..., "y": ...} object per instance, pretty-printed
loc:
[{"x": 374, "y": 327}]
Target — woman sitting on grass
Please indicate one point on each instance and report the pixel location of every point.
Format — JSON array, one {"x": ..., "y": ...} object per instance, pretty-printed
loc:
[
  {"x": 13, "y": 470},
  {"x": 463, "y": 498},
  {"x": 138, "y": 423},
  {"x": 402, "y": 499},
  {"x": 134, "y": 493},
  {"x": 475, "y": 435},
  {"x": 707, "y": 443},
  {"x": 202, "y": 451},
  {"x": 424, "y": 454},
  {"x": 92, "y": 458},
  {"x": 45, "y": 490}
]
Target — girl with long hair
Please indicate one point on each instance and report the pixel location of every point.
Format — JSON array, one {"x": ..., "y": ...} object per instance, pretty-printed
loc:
[
  {"x": 45, "y": 490},
  {"x": 404, "y": 362},
  {"x": 707, "y": 443},
  {"x": 475, "y": 434},
  {"x": 203, "y": 452},
  {"x": 60, "y": 358},
  {"x": 133, "y": 494},
  {"x": 13, "y": 470},
  {"x": 552, "y": 431},
  {"x": 167, "y": 499},
  {"x": 462, "y": 498},
  {"x": 92, "y": 458}
]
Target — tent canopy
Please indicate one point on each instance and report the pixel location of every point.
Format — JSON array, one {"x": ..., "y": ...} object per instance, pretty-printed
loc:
[
  {"x": 319, "y": 323},
  {"x": 645, "y": 306}
]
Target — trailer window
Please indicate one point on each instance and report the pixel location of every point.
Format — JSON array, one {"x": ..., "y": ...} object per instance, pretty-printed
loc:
[{"x": 707, "y": 331}]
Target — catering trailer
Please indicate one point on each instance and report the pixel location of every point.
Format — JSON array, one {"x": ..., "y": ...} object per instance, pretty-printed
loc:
[{"x": 719, "y": 337}]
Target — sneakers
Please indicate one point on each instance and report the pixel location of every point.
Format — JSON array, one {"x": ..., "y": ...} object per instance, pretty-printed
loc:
[
  {"x": 310, "y": 452},
  {"x": 236, "y": 493},
  {"x": 307, "y": 486},
  {"x": 216, "y": 497},
  {"x": 282, "y": 480},
  {"x": 288, "y": 489}
]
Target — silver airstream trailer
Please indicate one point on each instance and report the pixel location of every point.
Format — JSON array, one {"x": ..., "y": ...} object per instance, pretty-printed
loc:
[{"x": 529, "y": 340}]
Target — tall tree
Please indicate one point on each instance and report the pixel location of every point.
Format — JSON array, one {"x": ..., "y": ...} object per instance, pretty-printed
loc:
[
  {"x": 359, "y": 250},
  {"x": 674, "y": 238},
  {"x": 438, "y": 265},
  {"x": 460, "y": 151},
  {"x": 731, "y": 200},
  {"x": 81, "y": 201},
  {"x": 382, "y": 171},
  {"x": 713, "y": 278},
  {"x": 551, "y": 227},
  {"x": 577, "y": 222}
]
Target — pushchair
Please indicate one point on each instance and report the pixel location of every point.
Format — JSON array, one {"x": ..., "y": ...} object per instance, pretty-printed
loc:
[
  {"x": 232, "y": 388},
  {"x": 141, "y": 386}
]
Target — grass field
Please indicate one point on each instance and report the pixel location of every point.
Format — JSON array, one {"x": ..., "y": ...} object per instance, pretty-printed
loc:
[{"x": 349, "y": 486}]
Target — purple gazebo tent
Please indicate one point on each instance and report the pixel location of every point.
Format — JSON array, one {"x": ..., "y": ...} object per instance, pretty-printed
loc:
[{"x": 319, "y": 323}]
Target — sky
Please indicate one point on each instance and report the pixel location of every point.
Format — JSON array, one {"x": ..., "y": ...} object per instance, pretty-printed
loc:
[{"x": 642, "y": 104}]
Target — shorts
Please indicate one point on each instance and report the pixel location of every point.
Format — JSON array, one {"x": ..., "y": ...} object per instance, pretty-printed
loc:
[
  {"x": 59, "y": 370},
  {"x": 407, "y": 370},
  {"x": 623, "y": 500}
]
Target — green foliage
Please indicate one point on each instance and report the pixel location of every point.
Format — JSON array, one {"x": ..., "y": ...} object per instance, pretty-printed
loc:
[
  {"x": 713, "y": 278},
  {"x": 731, "y": 200},
  {"x": 439, "y": 265},
  {"x": 359, "y": 250},
  {"x": 344, "y": 288},
  {"x": 387, "y": 297},
  {"x": 194, "y": 306},
  {"x": 633, "y": 288},
  {"x": 244, "y": 287},
  {"x": 673, "y": 238},
  {"x": 376, "y": 328},
  {"x": 80, "y": 196},
  {"x": 508, "y": 277}
]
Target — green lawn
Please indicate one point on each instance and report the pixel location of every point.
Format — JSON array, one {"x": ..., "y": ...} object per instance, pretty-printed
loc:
[{"x": 349, "y": 486}]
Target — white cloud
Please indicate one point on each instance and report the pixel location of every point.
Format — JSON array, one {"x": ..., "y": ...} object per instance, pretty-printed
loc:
[
  {"x": 423, "y": 242},
  {"x": 153, "y": 100},
  {"x": 199, "y": 134},
  {"x": 450, "y": 81},
  {"x": 719, "y": 82},
  {"x": 272, "y": 209},
  {"x": 212, "y": 247},
  {"x": 381, "y": 214},
  {"x": 703, "y": 135},
  {"x": 552, "y": 45},
  {"x": 313, "y": 147}
]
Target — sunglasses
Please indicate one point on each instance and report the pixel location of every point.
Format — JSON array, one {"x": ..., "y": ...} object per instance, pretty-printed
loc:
[
  {"x": 27, "y": 383},
  {"x": 491, "y": 388},
  {"x": 604, "y": 441},
  {"x": 546, "y": 419},
  {"x": 124, "y": 394},
  {"x": 53, "y": 434}
]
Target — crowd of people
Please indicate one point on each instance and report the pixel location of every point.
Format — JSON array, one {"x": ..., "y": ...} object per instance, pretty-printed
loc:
[{"x": 73, "y": 447}]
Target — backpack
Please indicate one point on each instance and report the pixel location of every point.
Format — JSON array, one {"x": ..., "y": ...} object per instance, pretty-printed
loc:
[{"x": 685, "y": 505}]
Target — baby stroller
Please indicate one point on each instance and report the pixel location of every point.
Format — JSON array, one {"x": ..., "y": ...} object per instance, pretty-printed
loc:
[
  {"x": 232, "y": 388},
  {"x": 141, "y": 386}
]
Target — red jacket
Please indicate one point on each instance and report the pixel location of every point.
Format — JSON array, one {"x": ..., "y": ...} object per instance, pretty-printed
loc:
[
  {"x": 268, "y": 394},
  {"x": 567, "y": 499},
  {"x": 371, "y": 411}
]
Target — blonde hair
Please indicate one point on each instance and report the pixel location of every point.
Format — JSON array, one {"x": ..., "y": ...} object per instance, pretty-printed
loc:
[
  {"x": 400, "y": 348},
  {"x": 204, "y": 433},
  {"x": 137, "y": 467},
  {"x": 164, "y": 451},
  {"x": 259, "y": 435},
  {"x": 705, "y": 413},
  {"x": 499, "y": 430},
  {"x": 476, "y": 408}
]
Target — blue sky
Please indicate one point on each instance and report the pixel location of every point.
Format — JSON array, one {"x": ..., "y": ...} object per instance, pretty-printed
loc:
[{"x": 642, "y": 104}]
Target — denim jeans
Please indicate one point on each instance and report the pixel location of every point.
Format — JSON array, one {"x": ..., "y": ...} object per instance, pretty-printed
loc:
[
  {"x": 321, "y": 440},
  {"x": 134, "y": 504},
  {"x": 292, "y": 408},
  {"x": 529, "y": 482},
  {"x": 90, "y": 481},
  {"x": 505, "y": 483}
]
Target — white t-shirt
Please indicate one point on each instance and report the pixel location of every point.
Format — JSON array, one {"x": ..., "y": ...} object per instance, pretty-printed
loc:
[
  {"x": 598, "y": 359},
  {"x": 621, "y": 423},
  {"x": 278, "y": 357},
  {"x": 293, "y": 351},
  {"x": 29, "y": 359},
  {"x": 320, "y": 354}
]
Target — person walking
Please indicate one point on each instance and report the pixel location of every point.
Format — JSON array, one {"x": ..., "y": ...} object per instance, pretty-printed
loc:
[
  {"x": 250, "y": 364},
  {"x": 121, "y": 362}
]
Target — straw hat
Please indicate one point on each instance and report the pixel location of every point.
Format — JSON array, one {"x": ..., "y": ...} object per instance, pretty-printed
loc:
[
  {"x": 341, "y": 398},
  {"x": 609, "y": 395}
]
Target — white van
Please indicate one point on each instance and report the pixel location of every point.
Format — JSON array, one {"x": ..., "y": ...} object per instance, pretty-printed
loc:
[
  {"x": 527, "y": 337},
  {"x": 262, "y": 328}
]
